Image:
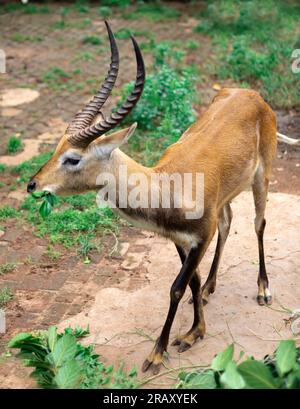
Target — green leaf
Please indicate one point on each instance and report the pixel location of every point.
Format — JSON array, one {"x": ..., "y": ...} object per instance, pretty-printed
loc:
[
  {"x": 201, "y": 380},
  {"x": 64, "y": 350},
  {"x": 19, "y": 339},
  {"x": 52, "y": 337},
  {"x": 133, "y": 372},
  {"x": 45, "y": 209},
  {"x": 220, "y": 361},
  {"x": 231, "y": 378},
  {"x": 50, "y": 198},
  {"x": 38, "y": 195},
  {"x": 257, "y": 375},
  {"x": 286, "y": 357},
  {"x": 69, "y": 376}
]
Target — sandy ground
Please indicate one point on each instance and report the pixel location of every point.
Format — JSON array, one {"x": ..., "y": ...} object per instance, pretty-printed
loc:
[
  {"x": 121, "y": 320},
  {"x": 125, "y": 298}
]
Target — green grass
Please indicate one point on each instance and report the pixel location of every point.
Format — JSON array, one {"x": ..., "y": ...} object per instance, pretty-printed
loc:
[
  {"x": 5, "y": 296},
  {"x": 125, "y": 33},
  {"x": 2, "y": 167},
  {"x": 57, "y": 78},
  {"x": 252, "y": 43},
  {"x": 155, "y": 12},
  {"x": 7, "y": 267},
  {"x": 14, "y": 145},
  {"x": 76, "y": 220},
  {"x": 21, "y": 38},
  {"x": 24, "y": 8},
  {"x": 104, "y": 11},
  {"x": 165, "y": 109},
  {"x": 92, "y": 39},
  {"x": 8, "y": 212}
]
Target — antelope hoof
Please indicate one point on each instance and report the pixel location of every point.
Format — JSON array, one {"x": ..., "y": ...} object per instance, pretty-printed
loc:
[
  {"x": 264, "y": 300},
  {"x": 154, "y": 361},
  {"x": 187, "y": 341}
]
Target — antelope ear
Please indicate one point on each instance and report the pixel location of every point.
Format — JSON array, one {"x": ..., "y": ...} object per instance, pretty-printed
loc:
[{"x": 105, "y": 144}]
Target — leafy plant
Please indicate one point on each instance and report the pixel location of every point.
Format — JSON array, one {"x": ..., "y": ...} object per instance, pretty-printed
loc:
[
  {"x": 14, "y": 145},
  {"x": 2, "y": 167},
  {"x": 61, "y": 362},
  {"x": 104, "y": 11},
  {"x": 153, "y": 11},
  {"x": 253, "y": 43},
  {"x": 92, "y": 39},
  {"x": 8, "y": 212},
  {"x": 48, "y": 201},
  {"x": 165, "y": 107},
  {"x": 5, "y": 296},
  {"x": 278, "y": 371},
  {"x": 7, "y": 267}
]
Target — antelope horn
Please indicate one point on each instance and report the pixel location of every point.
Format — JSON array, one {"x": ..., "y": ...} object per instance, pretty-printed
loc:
[
  {"x": 85, "y": 136},
  {"x": 85, "y": 117}
]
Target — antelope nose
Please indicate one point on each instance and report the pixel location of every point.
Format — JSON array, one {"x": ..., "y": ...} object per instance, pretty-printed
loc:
[{"x": 31, "y": 186}]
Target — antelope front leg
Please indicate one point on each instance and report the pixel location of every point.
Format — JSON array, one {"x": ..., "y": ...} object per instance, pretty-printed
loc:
[{"x": 178, "y": 288}]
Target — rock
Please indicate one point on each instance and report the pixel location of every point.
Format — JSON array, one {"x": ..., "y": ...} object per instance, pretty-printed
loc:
[
  {"x": 18, "y": 96},
  {"x": 10, "y": 112}
]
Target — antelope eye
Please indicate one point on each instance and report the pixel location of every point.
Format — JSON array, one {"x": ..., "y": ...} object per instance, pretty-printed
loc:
[{"x": 71, "y": 161}]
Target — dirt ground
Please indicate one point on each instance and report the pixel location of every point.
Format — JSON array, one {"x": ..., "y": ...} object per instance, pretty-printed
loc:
[{"x": 124, "y": 298}]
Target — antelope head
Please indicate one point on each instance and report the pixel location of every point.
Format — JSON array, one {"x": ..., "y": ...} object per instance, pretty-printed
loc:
[{"x": 85, "y": 149}]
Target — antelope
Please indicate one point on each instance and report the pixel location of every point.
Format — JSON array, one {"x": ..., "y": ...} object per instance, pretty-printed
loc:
[{"x": 232, "y": 145}]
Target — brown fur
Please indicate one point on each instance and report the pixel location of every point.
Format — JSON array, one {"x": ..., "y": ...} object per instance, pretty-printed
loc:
[{"x": 233, "y": 145}]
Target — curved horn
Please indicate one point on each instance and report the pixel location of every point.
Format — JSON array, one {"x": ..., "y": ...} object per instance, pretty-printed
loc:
[
  {"x": 84, "y": 117},
  {"x": 85, "y": 136}
]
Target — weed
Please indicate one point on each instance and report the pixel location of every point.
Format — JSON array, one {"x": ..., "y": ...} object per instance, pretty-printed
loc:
[
  {"x": 14, "y": 145},
  {"x": 165, "y": 109},
  {"x": 104, "y": 11},
  {"x": 119, "y": 3},
  {"x": 7, "y": 267},
  {"x": 155, "y": 12},
  {"x": 2, "y": 167},
  {"x": 92, "y": 39},
  {"x": 5, "y": 296},
  {"x": 20, "y": 38},
  {"x": 62, "y": 23},
  {"x": 60, "y": 361},
  {"x": 125, "y": 33},
  {"x": 84, "y": 56},
  {"x": 57, "y": 79},
  {"x": 86, "y": 245},
  {"x": 8, "y": 212},
  {"x": 25, "y": 8},
  {"x": 192, "y": 45},
  {"x": 277, "y": 371},
  {"x": 52, "y": 253},
  {"x": 82, "y": 7},
  {"x": 253, "y": 43}
]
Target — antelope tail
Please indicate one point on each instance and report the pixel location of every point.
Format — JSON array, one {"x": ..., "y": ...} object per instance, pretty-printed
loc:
[{"x": 286, "y": 139}]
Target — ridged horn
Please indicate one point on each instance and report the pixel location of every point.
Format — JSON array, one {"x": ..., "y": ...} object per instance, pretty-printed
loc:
[
  {"x": 84, "y": 137},
  {"x": 85, "y": 117}
]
